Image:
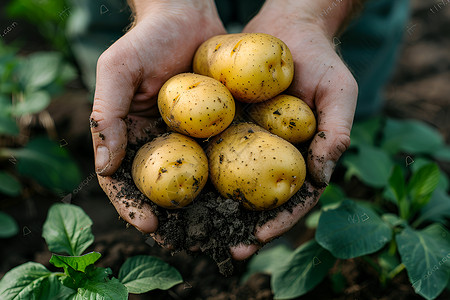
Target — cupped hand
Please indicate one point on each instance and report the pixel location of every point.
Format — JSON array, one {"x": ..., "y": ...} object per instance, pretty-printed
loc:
[
  {"x": 129, "y": 75},
  {"x": 321, "y": 80}
]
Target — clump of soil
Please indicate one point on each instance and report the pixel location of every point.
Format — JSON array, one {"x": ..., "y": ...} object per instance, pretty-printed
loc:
[{"x": 211, "y": 223}]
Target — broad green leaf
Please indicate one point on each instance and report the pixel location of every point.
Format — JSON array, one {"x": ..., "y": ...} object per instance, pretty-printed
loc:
[
  {"x": 304, "y": 269},
  {"x": 9, "y": 185},
  {"x": 33, "y": 102},
  {"x": 142, "y": 273},
  {"x": 426, "y": 256},
  {"x": 365, "y": 132},
  {"x": 397, "y": 184},
  {"x": 393, "y": 220},
  {"x": 312, "y": 219},
  {"x": 371, "y": 165},
  {"x": 421, "y": 162},
  {"x": 29, "y": 281},
  {"x": 67, "y": 229},
  {"x": 437, "y": 209},
  {"x": 39, "y": 69},
  {"x": 352, "y": 230},
  {"x": 8, "y": 226},
  {"x": 267, "y": 261},
  {"x": 78, "y": 263},
  {"x": 422, "y": 184},
  {"x": 94, "y": 290},
  {"x": 410, "y": 136},
  {"x": 442, "y": 153},
  {"x": 8, "y": 125},
  {"x": 49, "y": 164},
  {"x": 94, "y": 273},
  {"x": 331, "y": 196}
]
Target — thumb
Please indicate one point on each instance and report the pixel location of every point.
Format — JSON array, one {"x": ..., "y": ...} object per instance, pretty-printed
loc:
[
  {"x": 115, "y": 87},
  {"x": 335, "y": 104}
]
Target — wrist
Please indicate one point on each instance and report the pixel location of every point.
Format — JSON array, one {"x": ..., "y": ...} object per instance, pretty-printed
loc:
[
  {"x": 142, "y": 8},
  {"x": 331, "y": 16}
]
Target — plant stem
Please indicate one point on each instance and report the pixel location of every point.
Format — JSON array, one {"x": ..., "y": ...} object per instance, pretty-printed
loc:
[
  {"x": 372, "y": 263},
  {"x": 396, "y": 271}
]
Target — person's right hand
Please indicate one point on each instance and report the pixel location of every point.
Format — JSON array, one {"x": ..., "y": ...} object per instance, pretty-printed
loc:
[{"x": 129, "y": 75}]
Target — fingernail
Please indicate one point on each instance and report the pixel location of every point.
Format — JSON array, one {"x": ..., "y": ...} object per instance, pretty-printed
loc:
[
  {"x": 101, "y": 159},
  {"x": 328, "y": 170}
]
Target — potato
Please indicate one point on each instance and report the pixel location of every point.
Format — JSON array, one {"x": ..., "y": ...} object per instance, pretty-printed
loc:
[
  {"x": 171, "y": 170},
  {"x": 196, "y": 105},
  {"x": 286, "y": 116},
  {"x": 255, "y": 167},
  {"x": 253, "y": 66}
]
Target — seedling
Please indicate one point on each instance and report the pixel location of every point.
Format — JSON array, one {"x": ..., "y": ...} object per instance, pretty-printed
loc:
[{"x": 68, "y": 230}]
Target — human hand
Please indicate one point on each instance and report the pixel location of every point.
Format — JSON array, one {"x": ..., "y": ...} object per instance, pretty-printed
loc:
[
  {"x": 129, "y": 75},
  {"x": 323, "y": 81}
]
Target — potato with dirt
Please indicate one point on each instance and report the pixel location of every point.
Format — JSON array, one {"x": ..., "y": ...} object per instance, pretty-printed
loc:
[
  {"x": 196, "y": 105},
  {"x": 253, "y": 166},
  {"x": 171, "y": 170},
  {"x": 286, "y": 116},
  {"x": 253, "y": 66}
]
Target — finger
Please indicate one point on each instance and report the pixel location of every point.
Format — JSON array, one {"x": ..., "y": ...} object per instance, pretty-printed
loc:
[
  {"x": 285, "y": 220},
  {"x": 242, "y": 251},
  {"x": 134, "y": 212},
  {"x": 118, "y": 76},
  {"x": 336, "y": 102}
]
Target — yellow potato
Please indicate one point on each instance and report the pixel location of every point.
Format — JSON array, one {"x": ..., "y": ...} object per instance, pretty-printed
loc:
[
  {"x": 255, "y": 167},
  {"x": 171, "y": 170},
  {"x": 253, "y": 66},
  {"x": 196, "y": 105},
  {"x": 286, "y": 116}
]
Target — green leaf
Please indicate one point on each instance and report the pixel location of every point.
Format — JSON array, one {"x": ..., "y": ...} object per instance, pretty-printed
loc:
[
  {"x": 8, "y": 226},
  {"x": 49, "y": 164},
  {"x": 410, "y": 136},
  {"x": 436, "y": 210},
  {"x": 33, "y": 102},
  {"x": 9, "y": 185},
  {"x": 67, "y": 229},
  {"x": 142, "y": 273},
  {"x": 397, "y": 184},
  {"x": 267, "y": 261},
  {"x": 39, "y": 69},
  {"x": 304, "y": 269},
  {"x": 422, "y": 184},
  {"x": 78, "y": 263},
  {"x": 365, "y": 132},
  {"x": 352, "y": 230},
  {"x": 393, "y": 220},
  {"x": 387, "y": 261},
  {"x": 442, "y": 153},
  {"x": 29, "y": 281},
  {"x": 94, "y": 290},
  {"x": 8, "y": 125},
  {"x": 331, "y": 196},
  {"x": 312, "y": 219},
  {"x": 421, "y": 162},
  {"x": 371, "y": 165},
  {"x": 426, "y": 256}
]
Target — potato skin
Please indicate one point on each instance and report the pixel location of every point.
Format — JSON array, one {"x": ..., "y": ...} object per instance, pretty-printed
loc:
[
  {"x": 171, "y": 170},
  {"x": 286, "y": 116},
  {"x": 253, "y": 66},
  {"x": 255, "y": 167},
  {"x": 196, "y": 105}
]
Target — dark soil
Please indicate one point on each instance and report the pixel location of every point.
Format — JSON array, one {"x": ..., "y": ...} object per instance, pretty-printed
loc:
[{"x": 211, "y": 223}]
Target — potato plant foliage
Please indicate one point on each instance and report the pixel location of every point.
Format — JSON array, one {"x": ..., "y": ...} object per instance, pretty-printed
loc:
[
  {"x": 67, "y": 230},
  {"x": 406, "y": 228}
]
